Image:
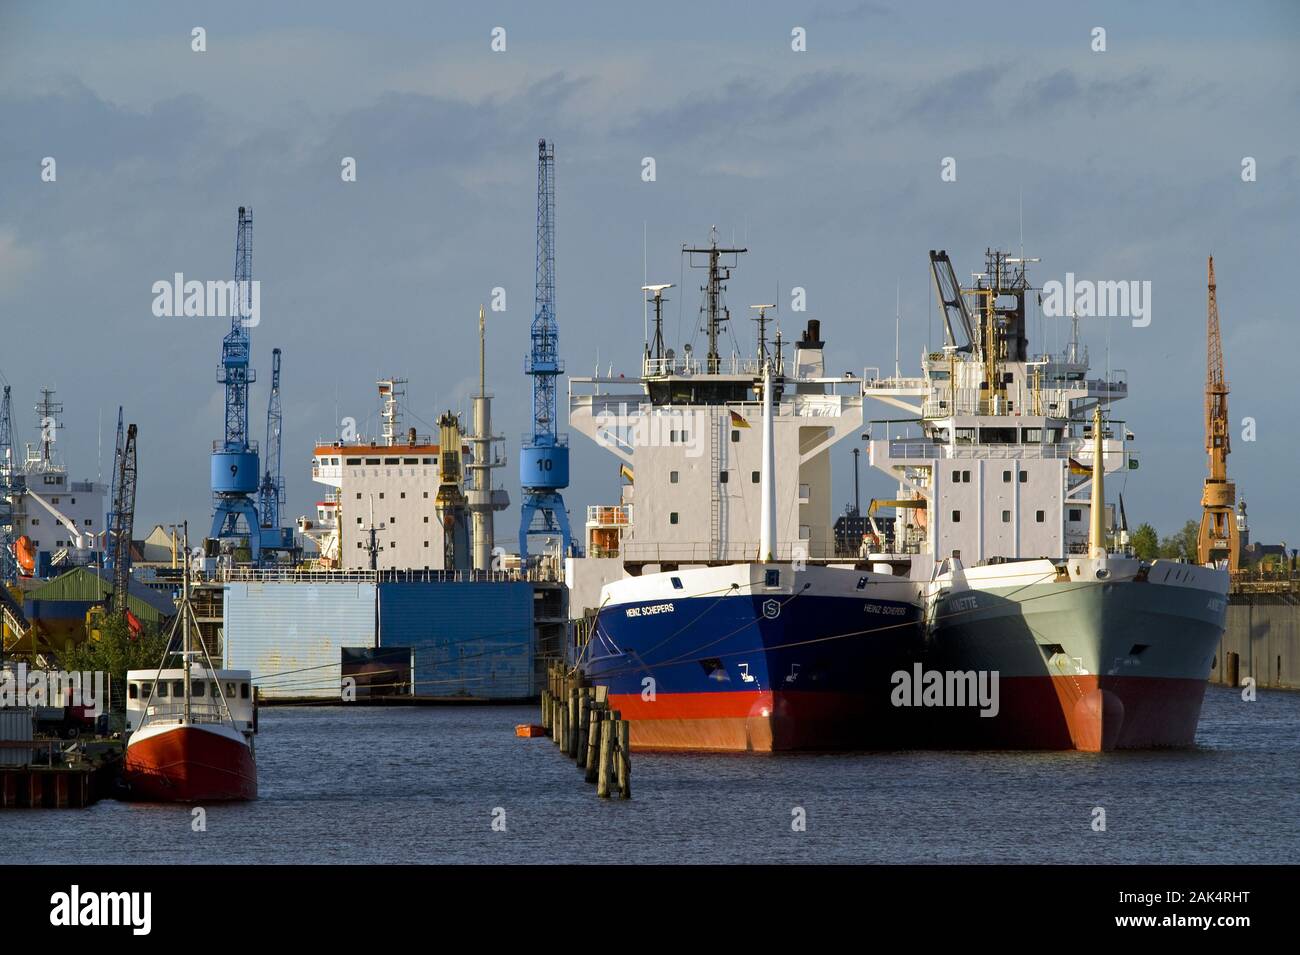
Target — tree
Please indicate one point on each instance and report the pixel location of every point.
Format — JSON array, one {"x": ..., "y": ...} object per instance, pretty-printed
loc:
[
  {"x": 1146, "y": 543},
  {"x": 1182, "y": 545},
  {"x": 116, "y": 651}
]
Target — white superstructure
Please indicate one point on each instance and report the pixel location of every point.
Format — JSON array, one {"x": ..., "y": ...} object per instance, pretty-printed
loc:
[{"x": 1001, "y": 471}]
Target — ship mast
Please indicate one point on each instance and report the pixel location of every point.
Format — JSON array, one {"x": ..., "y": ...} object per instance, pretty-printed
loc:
[
  {"x": 185, "y": 621},
  {"x": 1097, "y": 509},
  {"x": 715, "y": 312},
  {"x": 767, "y": 476}
]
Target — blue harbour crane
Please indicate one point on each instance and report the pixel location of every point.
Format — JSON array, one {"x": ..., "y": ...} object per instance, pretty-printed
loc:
[
  {"x": 235, "y": 469},
  {"x": 544, "y": 459},
  {"x": 271, "y": 493}
]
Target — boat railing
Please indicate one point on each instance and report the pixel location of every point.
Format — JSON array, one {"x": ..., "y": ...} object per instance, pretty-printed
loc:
[
  {"x": 175, "y": 713},
  {"x": 709, "y": 552},
  {"x": 692, "y": 364}
]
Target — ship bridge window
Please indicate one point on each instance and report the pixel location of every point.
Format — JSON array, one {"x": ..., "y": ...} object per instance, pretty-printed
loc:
[
  {"x": 965, "y": 435},
  {"x": 243, "y": 691},
  {"x": 145, "y": 690},
  {"x": 673, "y": 477},
  {"x": 372, "y": 460},
  {"x": 1031, "y": 435},
  {"x": 676, "y": 582},
  {"x": 938, "y": 375},
  {"x": 410, "y": 460},
  {"x": 230, "y": 691},
  {"x": 133, "y": 691},
  {"x": 771, "y": 578},
  {"x": 162, "y": 690},
  {"x": 178, "y": 688},
  {"x": 1054, "y": 435},
  {"x": 199, "y": 688},
  {"x": 998, "y": 435}
]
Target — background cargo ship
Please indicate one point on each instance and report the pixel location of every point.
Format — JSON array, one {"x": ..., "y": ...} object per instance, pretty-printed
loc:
[{"x": 1094, "y": 649}]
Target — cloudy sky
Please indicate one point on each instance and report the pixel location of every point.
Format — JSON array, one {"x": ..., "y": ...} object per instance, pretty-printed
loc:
[{"x": 826, "y": 163}]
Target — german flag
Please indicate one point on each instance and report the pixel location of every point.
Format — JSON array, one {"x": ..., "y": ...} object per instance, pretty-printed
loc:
[{"x": 737, "y": 421}]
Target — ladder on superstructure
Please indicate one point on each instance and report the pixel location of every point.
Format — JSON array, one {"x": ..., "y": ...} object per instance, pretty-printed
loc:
[{"x": 715, "y": 486}]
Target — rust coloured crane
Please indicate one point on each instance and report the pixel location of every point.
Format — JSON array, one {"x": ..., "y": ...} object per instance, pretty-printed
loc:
[{"x": 1218, "y": 539}]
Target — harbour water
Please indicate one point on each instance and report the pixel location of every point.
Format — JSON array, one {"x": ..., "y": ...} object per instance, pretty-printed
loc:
[{"x": 423, "y": 785}]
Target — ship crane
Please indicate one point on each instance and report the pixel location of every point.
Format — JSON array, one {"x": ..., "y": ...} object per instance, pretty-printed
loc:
[{"x": 1218, "y": 539}]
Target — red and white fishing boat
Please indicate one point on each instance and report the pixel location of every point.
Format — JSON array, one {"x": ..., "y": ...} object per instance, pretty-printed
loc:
[
  {"x": 191, "y": 739},
  {"x": 191, "y": 727}
]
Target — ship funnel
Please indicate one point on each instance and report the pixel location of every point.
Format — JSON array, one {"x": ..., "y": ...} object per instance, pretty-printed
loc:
[
  {"x": 1097, "y": 515},
  {"x": 767, "y": 476}
]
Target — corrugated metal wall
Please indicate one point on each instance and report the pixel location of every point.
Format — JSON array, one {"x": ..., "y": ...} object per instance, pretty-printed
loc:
[
  {"x": 274, "y": 628},
  {"x": 469, "y": 639}
]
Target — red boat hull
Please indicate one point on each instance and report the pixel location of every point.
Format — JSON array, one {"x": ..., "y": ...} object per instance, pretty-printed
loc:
[{"x": 190, "y": 764}]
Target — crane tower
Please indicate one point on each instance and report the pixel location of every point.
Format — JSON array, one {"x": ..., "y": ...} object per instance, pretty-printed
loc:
[
  {"x": 544, "y": 459},
  {"x": 1218, "y": 539},
  {"x": 235, "y": 470}
]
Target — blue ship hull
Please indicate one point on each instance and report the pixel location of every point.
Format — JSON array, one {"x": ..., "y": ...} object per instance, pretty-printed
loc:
[{"x": 753, "y": 672}]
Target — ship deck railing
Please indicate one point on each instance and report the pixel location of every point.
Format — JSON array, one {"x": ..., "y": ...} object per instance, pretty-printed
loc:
[
  {"x": 175, "y": 713},
  {"x": 704, "y": 552},
  {"x": 905, "y": 448}
]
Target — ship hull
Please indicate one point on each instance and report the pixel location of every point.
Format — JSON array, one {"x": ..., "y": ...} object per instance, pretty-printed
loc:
[
  {"x": 190, "y": 763},
  {"x": 1083, "y": 663},
  {"x": 756, "y": 672}
]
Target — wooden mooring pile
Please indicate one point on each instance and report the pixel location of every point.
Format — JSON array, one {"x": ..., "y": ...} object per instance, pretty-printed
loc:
[{"x": 577, "y": 718}]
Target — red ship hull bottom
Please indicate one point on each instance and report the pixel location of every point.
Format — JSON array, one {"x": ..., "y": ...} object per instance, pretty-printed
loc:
[
  {"x": 189, "y": 764},
  {"x": 759, "y": 721},
  {"x": 1086, "y": 713}
]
